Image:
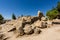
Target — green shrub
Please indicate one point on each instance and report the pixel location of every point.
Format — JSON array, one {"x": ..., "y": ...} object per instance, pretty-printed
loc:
[{"x": 52, "y": 14}]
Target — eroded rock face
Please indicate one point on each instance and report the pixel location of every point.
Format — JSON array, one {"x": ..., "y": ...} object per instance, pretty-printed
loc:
[
  {"x": 36, "y": 24},
  {"x": 43, "y": 24},
  {"x": 28, "y": 29},
  {"x": 19, "y": 24},
  {"x": 2, "y": 36},
  {"x": 34, "y": 19},
  {"x": 21, "y": 31},
  {"x": 37, "y": 30},
  {"x": 13, "y": 29},
  {"x": 43, "y": 19}
]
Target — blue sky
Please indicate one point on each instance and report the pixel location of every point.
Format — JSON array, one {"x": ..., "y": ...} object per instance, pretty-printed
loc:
[{"x": 25, "y": 7}]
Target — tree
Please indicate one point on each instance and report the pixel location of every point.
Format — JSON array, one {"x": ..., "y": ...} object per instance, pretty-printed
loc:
[
  {"x": 52, "y": 14},
  {"x": 13, "y": 16},
  {"x": 1, "y": 17},
  {"x": 58, "y": 6}
]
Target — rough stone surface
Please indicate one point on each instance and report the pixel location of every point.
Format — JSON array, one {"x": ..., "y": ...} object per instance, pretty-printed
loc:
[
  {"x": 28, "y": 29},
  {"x": 43, "y": 18},
  {"x": 43, "y": 24},
  {"x": 13, "y": 29},
  {"x": 21, "y": 31},
  {"x": 37, "y": 30}
]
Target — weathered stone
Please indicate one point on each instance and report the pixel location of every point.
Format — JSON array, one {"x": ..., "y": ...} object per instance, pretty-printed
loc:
[
  {"x": 21, "y": 31},
  {"x": 43, "y": 18},
  {"x": 40, "y": 15},
  {"x": 36, "y": 24},
  {"x": 6, "y": 38},
  {"x": 37, "y": 30},
  {"x": 43, "y": 24},
  {"x": 13, "y": 29},
  {"x": 2, "y": 36},
  {"x": 19, "y": 24},
  {"x": 28, "y": 29},
  {"x": 34, "y": 19}
]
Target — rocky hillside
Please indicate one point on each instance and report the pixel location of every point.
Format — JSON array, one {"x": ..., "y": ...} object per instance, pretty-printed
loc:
[{"x": 24, "y": 26}]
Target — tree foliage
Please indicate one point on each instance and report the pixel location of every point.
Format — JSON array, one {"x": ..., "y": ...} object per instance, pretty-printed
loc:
[
  {"x": 58, "y": 6},
  {"x": 52, "y": 14},
  {"x": 13, "y": 16},
  {"x": 1, "y": 17}
]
